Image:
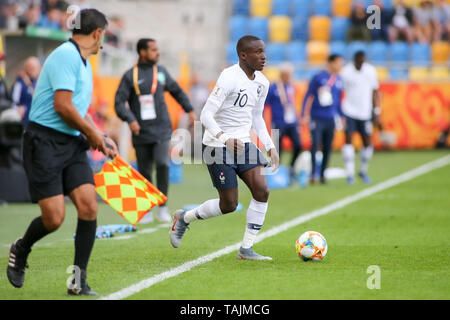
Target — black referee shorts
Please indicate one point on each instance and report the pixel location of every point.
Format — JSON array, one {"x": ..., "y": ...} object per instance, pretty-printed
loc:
[{"x": 55, "y": 162}]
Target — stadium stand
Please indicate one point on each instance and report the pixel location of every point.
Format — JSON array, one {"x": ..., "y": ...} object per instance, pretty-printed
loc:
[{"x": 311, "y": 29}]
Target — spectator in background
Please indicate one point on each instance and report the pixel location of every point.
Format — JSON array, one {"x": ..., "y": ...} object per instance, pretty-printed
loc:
[
  {"x": 23, "y": 87},
  {"x": 281, "y": 98},
  {"x": 358, "y": 29},
  {"x": 198, "y": 94},
  {"x": 386, "y": 16},
  {"x": 441, "y": 20},
  {"x": 401, "y": 23},
  {"x": 31, "y": 16},
  {"x": 113, "y": 33},
  {"x": 52, "y": 19},
  {"x": 423, "y": 17}
]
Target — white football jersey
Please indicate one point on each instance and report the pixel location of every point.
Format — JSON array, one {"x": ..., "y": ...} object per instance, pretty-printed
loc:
[
  {"x": 236, "y": 98},
  {"x": 358, "y": 87}
]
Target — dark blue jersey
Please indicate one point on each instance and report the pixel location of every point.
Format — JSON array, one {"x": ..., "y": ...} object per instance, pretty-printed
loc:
[{"x": 327, "y": 91}]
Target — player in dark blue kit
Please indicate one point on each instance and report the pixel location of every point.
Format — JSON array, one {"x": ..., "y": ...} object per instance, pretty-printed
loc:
[{"x": 321, "y": 105}]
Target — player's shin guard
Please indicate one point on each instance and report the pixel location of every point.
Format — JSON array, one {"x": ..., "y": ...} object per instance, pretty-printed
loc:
[
  {"x": 206, "y": 210},
  {"x": 366, "y": 155},
  {"x": 348, "y": 154},
  {"x": 256, "y": 214}
]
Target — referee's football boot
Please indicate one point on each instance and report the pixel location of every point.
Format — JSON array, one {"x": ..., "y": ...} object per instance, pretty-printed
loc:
[
  {"x": 179, "y": 227},
  {"x": 17, "y": 264},
  {"x": 249, "y": 254},
  {"x": 81, "y": 288}
]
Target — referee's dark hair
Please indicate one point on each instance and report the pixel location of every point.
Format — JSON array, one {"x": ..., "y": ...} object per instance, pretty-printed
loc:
[
  {"x": 333, "y": 57},
  {"x": 89, "y": 21},
  {"x": 244, "y": 42},
  {"x": 143, "y": 44}
]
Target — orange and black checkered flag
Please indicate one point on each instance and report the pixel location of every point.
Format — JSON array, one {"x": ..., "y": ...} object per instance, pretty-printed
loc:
[{"x": 126, "y": 190}]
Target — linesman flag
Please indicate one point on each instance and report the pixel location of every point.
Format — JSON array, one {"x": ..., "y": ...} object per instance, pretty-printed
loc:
[{"x": 126, "y": 190}]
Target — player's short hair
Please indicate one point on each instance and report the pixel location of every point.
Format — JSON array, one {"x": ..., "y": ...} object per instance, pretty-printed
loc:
[
  {"x": 142, "y": 44},
  {"x": 333, "y": 57},
  {"x": 359, "y": 54},
  {"x": 244, "y": 42},
  {"x": 89, "y": 21}
]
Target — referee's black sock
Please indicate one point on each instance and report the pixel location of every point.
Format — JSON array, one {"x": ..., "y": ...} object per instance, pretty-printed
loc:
[
  {"x": 84, "y": 241},
  {"x": 36, "y": 231}
]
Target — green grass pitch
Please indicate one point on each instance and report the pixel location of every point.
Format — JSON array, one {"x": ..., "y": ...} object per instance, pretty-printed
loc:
[{"x": 404, "y": 230}]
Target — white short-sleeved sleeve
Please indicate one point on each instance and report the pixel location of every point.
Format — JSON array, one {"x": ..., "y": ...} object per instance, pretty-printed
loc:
[
  {"x": 223, "y": 87},
  {"x": 215, "y": 100},
  {"x": 375, "y": 83}
]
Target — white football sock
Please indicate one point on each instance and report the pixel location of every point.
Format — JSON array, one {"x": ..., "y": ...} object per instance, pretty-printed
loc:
[
  {"x": 348, "y": 153},
  {"x": 256, "y": 214},
  {"x": 206, "y": 210},
  {"x": 366, "y": 155}
]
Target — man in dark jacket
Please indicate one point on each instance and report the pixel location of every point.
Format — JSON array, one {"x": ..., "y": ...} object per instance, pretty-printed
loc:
[{"x": 148, "y": 116}]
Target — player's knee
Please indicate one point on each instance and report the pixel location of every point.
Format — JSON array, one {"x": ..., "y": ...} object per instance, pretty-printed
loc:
[
  {"x": 53, "y": 222},
  {"x": 228, "y": 206},
  {"x": 88, "y": 210},
  {"x": 262, "y": 194}
]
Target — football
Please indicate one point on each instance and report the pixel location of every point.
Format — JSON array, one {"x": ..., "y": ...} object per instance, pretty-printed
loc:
[{"x": 311, "y": 245}]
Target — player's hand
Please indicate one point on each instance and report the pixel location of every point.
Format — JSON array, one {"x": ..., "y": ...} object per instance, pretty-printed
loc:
[
  {"x": 192, "y": 118},
  {"x": 236, "y": 145},
  {"x": 274, "y": 159},
  {"x": 110, "y": 148},
  {"x": 135, "y": 127}
]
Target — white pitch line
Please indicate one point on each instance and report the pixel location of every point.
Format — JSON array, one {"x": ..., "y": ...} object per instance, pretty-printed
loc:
[{"x": 146, "y": 283}]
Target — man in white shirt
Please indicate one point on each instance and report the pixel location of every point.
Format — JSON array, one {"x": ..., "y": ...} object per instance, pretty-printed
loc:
[
  {"x": 234, "y": 107},
  {"x": 361, "y": 106}
]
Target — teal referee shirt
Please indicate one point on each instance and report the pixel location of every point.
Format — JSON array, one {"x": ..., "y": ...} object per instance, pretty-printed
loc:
[{"x": 64, "y": 69}]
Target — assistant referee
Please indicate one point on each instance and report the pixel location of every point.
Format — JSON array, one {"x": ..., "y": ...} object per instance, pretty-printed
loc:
[
  {"x": 54, "y": 149},
  {"x": 143, "y": 88}
]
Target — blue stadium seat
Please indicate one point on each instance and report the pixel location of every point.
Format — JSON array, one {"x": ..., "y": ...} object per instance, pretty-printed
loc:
[
  {"x": 339, "y": 26},
  {"x": 241, "y": 7},
  {"x": 366, "y": 2},
  {"x": 321, "y": 7},
  {"x": 238, "y": 27},
  {"x": 305, "y": 74},
  {"x": 275, "y": 53},
  {"x": 355, "y": 46},
  {"x": 377, "y": 52},
  {"x": 388, "y": 4},
  {"x": 399, "y": 52},
  {"x": 231, "y": 54},
  {"x": 338, "y": 47},
  {"x": 301, "y": 8},
  {"x": 300, "y": 28},
  {"x": 280, "y": 7},
  {"x": 420, "y": 54},
  {"x": 398, "y": 74},
  {"x": 259, "y": 27},
  {"x": 295, "y": 52}
]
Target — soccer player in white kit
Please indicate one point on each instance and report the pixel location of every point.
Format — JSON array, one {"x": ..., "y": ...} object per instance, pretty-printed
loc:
[
  {"x": 234, "y": 107},
  {"x": 361, "y": 106}
]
